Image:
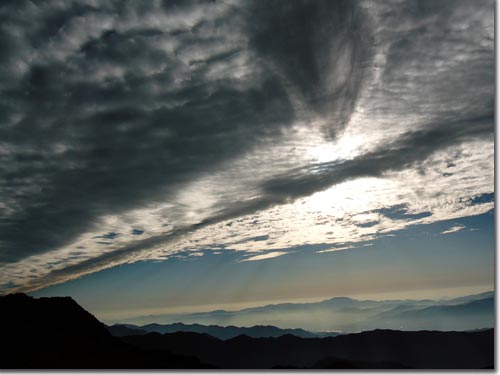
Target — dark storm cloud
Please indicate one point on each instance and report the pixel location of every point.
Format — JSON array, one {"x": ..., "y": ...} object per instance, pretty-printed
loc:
[
  {"x": 100, "y": 114},
  {"x": 105, "y": 170},
  {"x": 439, "y": 65},
  {"x": 322, "y": 47}
]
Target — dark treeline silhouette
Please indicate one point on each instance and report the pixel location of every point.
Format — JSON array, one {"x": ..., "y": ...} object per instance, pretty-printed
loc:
[{"x": 56, "y": 333}]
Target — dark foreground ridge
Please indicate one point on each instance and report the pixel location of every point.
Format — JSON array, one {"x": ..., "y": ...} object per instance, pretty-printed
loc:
[
  {"x": 373, "y": 349},
  {"x": 56, "y": 333}
]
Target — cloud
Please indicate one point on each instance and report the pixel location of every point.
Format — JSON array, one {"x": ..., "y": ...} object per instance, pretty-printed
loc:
[
  {"x": 270, "y": 255},
  {"x": 326, "y": 73},
  {"x": 456, "y": 228},
  {"x": 112, "y": 117},
  {"x": 335, "y": 249},
  {"x": 234, "y": 124}
]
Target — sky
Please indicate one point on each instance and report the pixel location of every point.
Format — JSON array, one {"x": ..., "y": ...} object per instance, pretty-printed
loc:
[{"x": 180, "y": 154}]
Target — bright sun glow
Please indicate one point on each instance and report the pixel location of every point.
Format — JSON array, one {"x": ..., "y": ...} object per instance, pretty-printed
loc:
[{"x": 347, "y": 147}]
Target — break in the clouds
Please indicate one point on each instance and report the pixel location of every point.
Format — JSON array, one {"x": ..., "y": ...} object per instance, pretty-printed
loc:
[{"x": 139, "y": 130}]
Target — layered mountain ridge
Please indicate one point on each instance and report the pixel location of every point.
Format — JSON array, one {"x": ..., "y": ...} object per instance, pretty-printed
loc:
[
  {"x": 56, "y": 333},
  {"x": 343, "y": 314}
]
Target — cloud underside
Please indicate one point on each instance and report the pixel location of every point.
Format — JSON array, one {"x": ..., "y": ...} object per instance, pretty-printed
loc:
[{"x": 136, "y": 131}]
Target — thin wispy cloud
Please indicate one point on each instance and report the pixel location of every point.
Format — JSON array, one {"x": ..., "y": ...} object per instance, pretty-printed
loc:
[
  {"x": 336, "y": 249},
  {"x": 270, "y": 255},
  {"x": 456, "y": 228}
]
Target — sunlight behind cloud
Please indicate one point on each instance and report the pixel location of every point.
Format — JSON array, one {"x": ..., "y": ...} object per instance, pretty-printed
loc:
[{"x": 346, "y": 147}]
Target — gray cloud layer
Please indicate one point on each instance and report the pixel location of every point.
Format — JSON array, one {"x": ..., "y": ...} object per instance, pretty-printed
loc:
[
  {"x": 107, "y": 107},
  {"x": 75, "y": 147}
]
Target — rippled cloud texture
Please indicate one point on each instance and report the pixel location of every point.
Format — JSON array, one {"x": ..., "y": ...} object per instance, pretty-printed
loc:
[{"x": 138, "y": 130}]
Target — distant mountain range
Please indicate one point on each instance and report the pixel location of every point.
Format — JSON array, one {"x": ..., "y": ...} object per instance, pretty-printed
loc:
[
  {"x": 56, "y": 333},
  {"x": 219, "y": 332},
  {"x": 342, "y": 314}
]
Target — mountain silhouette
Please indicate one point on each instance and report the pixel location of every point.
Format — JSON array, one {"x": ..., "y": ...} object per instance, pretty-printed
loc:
[
  {"x": 469, "y": 298},
  {"x": 343, "y": 314},
  {"x": 56, "y": 333},
  {"x": 476, "y": 313},
  {"x": 120, "y": 330},
  {"x": 219, "y": 332},
  {"x": 373, "y": 349}
]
